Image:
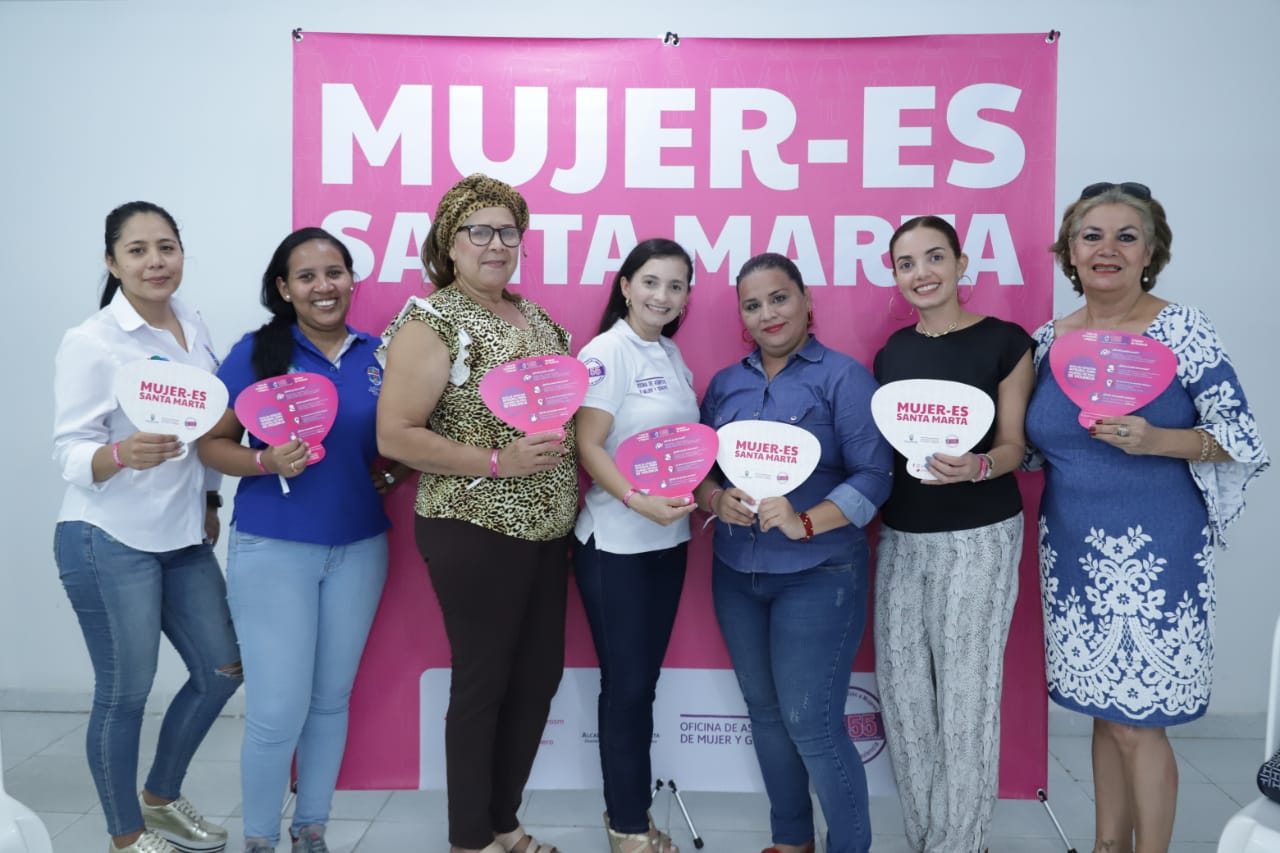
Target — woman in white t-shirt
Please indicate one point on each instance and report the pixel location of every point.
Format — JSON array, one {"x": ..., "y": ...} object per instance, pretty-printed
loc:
[{"x": 630, "y": 559}]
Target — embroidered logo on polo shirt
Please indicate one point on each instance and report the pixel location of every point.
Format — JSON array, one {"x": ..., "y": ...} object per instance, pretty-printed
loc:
[
  {"x": 375, "y": 379},
  {"x": 651, "y": 384},
  {"x": 595, "y": 371}
]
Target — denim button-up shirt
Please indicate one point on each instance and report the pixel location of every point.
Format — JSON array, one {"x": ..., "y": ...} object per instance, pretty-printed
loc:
[{"x": 828, "y": 394}]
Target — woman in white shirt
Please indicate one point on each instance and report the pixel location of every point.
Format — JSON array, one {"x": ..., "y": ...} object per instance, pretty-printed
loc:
[
  {"x": 630, "y": 561},
  {"x": 134, "y": 539}
]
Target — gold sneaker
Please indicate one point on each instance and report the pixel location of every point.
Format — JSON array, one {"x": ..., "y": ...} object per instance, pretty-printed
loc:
[
  {"x": 148, "y": 842},
  {"x": 183, "y": 827}
]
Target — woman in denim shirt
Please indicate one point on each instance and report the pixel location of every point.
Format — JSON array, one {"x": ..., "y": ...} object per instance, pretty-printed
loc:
[{"x": 790, "y": 575}]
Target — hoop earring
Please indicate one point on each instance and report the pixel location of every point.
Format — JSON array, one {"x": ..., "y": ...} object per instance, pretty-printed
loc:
[
  {"x": 963, "y": 298},
  {"x": 893, "y": 316},
  {"x": 746, "y": 337},
  {"x": 627, "y": 300}
]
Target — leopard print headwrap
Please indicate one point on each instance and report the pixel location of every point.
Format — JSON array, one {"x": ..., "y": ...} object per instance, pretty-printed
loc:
[{"x": 472, "y": 193}]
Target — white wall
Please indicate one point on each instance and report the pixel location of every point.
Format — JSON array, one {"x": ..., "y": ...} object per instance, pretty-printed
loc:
[{"x": 190, "y": 106}]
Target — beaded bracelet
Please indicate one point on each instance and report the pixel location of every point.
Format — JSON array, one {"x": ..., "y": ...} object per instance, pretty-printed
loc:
[
  {"x": 808, "y": 526},
  {"x": 115, "y": 455}
]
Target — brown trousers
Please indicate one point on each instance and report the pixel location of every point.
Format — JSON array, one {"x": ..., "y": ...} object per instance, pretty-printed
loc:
[{"x": 503, "y": 601}]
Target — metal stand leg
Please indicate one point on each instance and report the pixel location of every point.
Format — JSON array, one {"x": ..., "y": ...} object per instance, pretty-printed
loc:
[
  {"x": 697, "y": 839},
  {"x": 1044, "y": 801},
  {"x": 675, "y": 792}
]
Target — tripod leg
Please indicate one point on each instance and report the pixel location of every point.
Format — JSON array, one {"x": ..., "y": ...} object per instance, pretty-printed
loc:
[
  {"x": 1044, "y": 801},
  {"x": 697, "y": 839}
]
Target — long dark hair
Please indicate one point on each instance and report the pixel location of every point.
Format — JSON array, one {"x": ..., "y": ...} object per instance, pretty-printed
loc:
[
  {"x": 273, "y": 343},
  {"x": 616, "y": 308},
  {"x": 115, "y": 224}
]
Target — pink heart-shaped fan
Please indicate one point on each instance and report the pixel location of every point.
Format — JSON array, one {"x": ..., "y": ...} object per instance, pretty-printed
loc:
[
  {"x": 668, "y": 460},
  {"x": 1109, "y": 373},
  {"x": 538, "y": 394}
]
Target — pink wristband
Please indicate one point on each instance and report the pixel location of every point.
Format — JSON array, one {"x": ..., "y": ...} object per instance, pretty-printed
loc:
[
  {"x": 257, "y": 460},
  {"x": 493, "y": 463},
  {"x": 711, "y": 501},
  {"x": 115, "y": 455},
  {"x": 982, "y": 468},
  {"x": 626, "y": 499}
]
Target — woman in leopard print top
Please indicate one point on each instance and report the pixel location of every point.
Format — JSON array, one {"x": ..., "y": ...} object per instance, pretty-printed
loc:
[{"x": 495, "y": 507}]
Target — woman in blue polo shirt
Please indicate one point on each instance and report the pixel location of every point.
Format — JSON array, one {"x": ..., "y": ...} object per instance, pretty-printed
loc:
[
  {"x": 790, "y": 575},
  {"x": 305, "y": 569}
]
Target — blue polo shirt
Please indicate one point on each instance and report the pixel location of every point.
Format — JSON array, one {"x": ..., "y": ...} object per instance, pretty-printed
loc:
[
  {"x": 332, "y": 502},
  {"x": 828, "y": 394}
]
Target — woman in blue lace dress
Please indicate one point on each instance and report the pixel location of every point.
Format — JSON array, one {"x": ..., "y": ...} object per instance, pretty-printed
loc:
[{"x": 1133, "y": 510}]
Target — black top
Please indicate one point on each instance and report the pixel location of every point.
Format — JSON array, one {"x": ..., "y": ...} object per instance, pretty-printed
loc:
[{"x": 981, "y": 355}]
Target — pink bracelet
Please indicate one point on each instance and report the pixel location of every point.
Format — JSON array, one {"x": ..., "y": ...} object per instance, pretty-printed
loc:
[
  {"x": 982, "y": 468},
  {"x": 257, "y": 460},
  {"x": 626, "y": 499},
  {"x": 115, "y": 455},
  {"x": 711, "y": 501},
  {"x": 493, "y": 463}
]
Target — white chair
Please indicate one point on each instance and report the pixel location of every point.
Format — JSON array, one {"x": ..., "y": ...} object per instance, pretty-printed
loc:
[
  {"x": 1256, "y": 827},
  {"x": 20, "y": 830}
]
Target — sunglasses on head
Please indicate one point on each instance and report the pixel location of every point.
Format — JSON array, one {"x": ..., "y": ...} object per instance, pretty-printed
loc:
[{"x": 1136, "y": 190}]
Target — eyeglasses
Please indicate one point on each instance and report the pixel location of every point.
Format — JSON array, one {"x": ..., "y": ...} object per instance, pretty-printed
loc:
[
  {"x": 1136, "y": 190},
  {"x": 482, "y": 235}
]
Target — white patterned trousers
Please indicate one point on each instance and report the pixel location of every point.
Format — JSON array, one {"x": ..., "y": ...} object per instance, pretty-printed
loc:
[{"x": 942, "y": 610}]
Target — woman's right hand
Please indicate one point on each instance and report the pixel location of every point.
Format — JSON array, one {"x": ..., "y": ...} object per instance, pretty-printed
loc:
[
  {"x": 662, "y": 510},
  {"x": 288, "y": 459},
  {"x": 144, "y": 450},
  {"x": 532, "y": 454},
  {"x": 733, "y": 506}
]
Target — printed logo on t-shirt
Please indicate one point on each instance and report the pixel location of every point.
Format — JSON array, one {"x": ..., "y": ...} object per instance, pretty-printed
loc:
[
  {"x": 595, "y": 371},
  {"x": 651, "y": 384}
]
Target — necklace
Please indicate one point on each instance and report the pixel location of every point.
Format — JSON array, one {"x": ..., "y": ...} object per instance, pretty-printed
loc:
[{"x": 920, "y": 327}]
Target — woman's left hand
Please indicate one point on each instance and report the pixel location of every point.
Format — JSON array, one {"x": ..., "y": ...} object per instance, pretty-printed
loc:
[
  {"x": 212, "y": 525},
  {"x": 386, "y": 479},
  {"x": 952, "y": 469},
  {"x": 778, "y": 512},
  {"x": 1132, "y": 434}
]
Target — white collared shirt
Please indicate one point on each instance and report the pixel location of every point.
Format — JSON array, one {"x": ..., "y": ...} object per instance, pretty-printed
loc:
[
  {"x": 642, "y": 384},
  {"x": 161, "y": 508}
]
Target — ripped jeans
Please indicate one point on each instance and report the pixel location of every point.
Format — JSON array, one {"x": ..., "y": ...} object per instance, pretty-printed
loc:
[
  {"x": 124, "y": 599},
  {"x": 792, "y": 639}
]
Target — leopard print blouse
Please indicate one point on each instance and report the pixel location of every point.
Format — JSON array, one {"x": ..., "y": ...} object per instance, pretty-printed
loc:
[{"x": 538, "y": 507}]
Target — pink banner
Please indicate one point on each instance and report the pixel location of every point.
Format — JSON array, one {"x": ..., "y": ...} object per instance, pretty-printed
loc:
[{"x": 814, "y": 148}]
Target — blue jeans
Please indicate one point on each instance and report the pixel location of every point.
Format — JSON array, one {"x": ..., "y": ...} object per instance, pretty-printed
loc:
[
  {"x": 792, "y": 639},
  {"x": 303, "y": 613},
  {"x": 124, "y": 599},
  {"x": 630, "y": 601}
]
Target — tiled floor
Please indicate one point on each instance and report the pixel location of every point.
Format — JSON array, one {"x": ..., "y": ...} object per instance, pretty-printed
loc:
[{"x": 44, "y": 767}]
